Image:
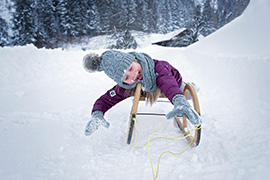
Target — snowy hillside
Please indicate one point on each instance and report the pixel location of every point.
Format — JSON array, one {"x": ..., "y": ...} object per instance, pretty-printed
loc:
[{"x": 46, "y": 97}]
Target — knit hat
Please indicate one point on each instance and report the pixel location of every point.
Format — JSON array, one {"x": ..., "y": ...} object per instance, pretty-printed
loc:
[{"x": 115, "y": 63}]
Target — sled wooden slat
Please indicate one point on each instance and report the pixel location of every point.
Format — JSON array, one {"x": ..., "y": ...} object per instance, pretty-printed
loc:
[
  {"x": 183, "y": 126},
  {"x": 133, "y": 111}
]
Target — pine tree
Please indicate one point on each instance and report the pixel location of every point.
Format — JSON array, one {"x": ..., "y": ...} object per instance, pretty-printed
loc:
[
  {"x": 44, "y": 18},
  {"x": 69, "y": 20},
  {"x": 125, "y": 41},
  {"x": 161, "y": 16},
  {"x": 52, "y": 23},
  {"x": 143, "y": 22},
  {"x": 131, "y": 14},
  {"x": 105, "y": 16},
  {"x": 4, "y": 37},
  {"x": 23, "y": 23},
  {"x": 209, "y": 18},
  {"x": 176, "y": 15},
  {"x": 91, "y": 20},
  {"x": 81, "y": 12}
]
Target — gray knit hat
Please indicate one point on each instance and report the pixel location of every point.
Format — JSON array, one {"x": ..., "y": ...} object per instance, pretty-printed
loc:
[{"x": 113, "y": 63}]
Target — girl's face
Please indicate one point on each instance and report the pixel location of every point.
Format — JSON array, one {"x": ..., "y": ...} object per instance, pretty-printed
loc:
[{"x": 133, "y": 73}]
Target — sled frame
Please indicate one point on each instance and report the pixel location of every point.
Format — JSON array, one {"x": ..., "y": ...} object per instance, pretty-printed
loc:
[{"x": 183, "y": 125}]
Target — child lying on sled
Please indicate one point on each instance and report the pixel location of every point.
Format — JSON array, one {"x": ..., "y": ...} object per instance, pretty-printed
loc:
[{"x": 128, "y": 69}]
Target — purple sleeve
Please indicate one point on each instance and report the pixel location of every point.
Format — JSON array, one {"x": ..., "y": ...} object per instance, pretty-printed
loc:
[
  {"x": 168, "y": 80},
  {"x": 110, "y": 98}
]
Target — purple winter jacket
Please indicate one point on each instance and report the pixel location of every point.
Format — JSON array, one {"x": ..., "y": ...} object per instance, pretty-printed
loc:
[{"x": 168, "y": 80}]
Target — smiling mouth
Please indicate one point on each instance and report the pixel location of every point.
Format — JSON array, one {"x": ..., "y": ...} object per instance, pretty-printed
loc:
[{"x": 139, "y": 77}]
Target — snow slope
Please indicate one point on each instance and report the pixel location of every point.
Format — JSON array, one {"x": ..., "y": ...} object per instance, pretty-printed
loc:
[{"x": 46, "y": 98}]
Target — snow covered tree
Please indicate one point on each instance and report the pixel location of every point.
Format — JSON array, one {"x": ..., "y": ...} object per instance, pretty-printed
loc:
[
  {"x": 46, "y": 23},
  {"x": 197, "y": 23},
  {"x": 4, "y": 37},
  {"x": 161, "y": 16},
  {"x": 23, "y": 23},
  {"x": 143, "y": 24},
  {"x": 125, "y": 41},
  {"x": 90, "y": 22},
  {"x": 53, "y": 23},
  {"x": 209, "y": 18},
  {"x": 70, "y": 20},
  {"x": 131, "y": 14},
  {"x": 106, "y": 15},
  {"x": 176, "y": 15}
]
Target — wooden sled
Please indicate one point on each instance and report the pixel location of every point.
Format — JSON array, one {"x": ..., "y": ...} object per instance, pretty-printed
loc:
[{"x": 182, "y": 123}]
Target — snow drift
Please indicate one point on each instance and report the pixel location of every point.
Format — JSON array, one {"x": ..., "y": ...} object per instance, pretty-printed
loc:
[{"x": 46, "y": 98}]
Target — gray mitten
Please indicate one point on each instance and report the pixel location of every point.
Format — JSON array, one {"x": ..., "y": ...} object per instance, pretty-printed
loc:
[
  {"x": 183, "y": 108},
  {"x": 97, "y": 119}
]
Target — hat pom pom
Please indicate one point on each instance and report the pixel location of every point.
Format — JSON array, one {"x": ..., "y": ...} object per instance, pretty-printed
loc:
[{"x": 91, "y": 62}]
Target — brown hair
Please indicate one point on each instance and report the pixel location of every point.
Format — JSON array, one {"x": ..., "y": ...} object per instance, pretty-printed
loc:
[{"x": 151, "y": 97}]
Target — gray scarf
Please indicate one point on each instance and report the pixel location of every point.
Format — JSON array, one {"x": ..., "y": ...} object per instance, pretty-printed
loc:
[{"x": 148, "y": 71}]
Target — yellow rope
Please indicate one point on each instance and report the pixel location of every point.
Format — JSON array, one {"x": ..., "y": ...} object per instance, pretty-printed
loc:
[{"x": 150, "y": 140}]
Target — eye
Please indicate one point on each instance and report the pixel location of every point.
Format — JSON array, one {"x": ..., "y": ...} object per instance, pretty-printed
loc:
[
  {"x": 130, "y": 69},
  {"x": 126, "y": 78}
]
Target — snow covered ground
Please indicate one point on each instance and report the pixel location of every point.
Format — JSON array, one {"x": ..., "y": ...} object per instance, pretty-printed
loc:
[{"x": 46, "y": 98}]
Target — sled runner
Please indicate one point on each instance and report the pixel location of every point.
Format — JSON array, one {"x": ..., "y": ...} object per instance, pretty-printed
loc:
[{"x": 182, "y": 122}]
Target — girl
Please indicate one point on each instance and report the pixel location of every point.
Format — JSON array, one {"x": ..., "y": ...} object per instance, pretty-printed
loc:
[{"x": 128, "y": 69}]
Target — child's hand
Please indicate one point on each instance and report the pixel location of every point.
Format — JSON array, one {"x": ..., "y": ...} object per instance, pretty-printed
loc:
[
  {"x": 183, "y": 108},
  {"x": 97, "y": 119}
]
